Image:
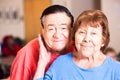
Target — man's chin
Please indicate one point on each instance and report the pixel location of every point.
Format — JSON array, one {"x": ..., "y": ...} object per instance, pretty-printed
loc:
[{"x": 60, "y": 50}]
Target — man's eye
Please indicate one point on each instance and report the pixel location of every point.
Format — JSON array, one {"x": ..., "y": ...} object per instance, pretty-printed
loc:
[
  {"x": 50, "y": 29},
  {"x": 64, "y": 28}
]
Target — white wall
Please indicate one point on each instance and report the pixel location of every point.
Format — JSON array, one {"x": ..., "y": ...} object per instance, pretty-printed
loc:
[
  {"x": 112, "y": 10},
  {"x": 11, "y": 26}
]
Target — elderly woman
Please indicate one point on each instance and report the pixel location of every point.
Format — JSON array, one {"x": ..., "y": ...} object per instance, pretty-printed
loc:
[{"x": 88, "y": 62}]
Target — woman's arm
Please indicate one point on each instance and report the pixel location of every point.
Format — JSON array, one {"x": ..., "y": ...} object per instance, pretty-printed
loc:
[{"x": 44, "y": 58}]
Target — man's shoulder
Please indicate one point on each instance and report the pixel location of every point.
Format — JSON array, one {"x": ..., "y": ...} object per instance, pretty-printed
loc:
[
  {"x": 34, "y": 41},
  {"x": 33, "y": 44},
  {"x": 31, "y": 49}
]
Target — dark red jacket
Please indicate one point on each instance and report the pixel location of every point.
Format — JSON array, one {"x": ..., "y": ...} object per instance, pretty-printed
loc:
[
  {"x": 25, "y": 63},
  {"x": 6, "y": 51}
]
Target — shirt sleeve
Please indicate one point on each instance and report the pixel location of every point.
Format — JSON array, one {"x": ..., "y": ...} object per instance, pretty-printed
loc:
[
  {"x": 117, "y": 72},
  {"x": 24, "y": 65},
  {"x": 17, "y": 68},
  {"x": 39, "y": 79},
  {"x": 48, "y": 75}
]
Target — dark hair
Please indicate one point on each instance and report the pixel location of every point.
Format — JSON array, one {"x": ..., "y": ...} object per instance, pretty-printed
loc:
[
  {"x": 93, "y": 18},
  {"x": 6, "y": 38},
  {"x": 54, "y": 9},
  {"x": 109, "y": 49}
]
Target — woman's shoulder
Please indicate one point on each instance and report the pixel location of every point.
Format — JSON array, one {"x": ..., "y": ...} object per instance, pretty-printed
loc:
[
  {"x": 113, "y": 63},
  {"x": 64, "y": 58}
]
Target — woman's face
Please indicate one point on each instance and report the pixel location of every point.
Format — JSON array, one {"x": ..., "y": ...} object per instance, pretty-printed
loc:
[{"x": 88, "y": 40}]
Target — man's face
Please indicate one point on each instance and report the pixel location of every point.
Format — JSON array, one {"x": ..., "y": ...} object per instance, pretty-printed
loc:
[{"x": 56, "y": 30}]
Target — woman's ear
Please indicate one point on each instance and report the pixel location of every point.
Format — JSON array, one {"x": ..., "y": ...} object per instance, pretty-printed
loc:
[
  {"x": 102, "y": 45},
  {"x": 103, "y": 41}
]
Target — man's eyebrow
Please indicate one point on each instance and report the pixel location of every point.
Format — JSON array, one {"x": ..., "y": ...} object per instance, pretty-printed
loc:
[{"x": 50, "y": 25}]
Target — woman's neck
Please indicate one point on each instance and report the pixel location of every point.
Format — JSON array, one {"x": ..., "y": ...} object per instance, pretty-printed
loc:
[{"x": 88, "y": 62}]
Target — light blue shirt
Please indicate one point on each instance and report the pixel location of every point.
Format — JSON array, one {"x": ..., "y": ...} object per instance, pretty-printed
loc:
[{"x": 63, "y": 68}]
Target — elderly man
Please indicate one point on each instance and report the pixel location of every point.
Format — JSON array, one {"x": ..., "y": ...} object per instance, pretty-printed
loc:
[{"x": 56, "y": 23}]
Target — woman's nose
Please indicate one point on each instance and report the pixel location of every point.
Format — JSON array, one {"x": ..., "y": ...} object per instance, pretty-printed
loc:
[{"x": 87, "y": 38}]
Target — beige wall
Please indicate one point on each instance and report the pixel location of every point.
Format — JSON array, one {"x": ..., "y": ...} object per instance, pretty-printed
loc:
[
  {"x": 112, "y": 10},
  {"x": 77, "y": 6},
  {"x": 16, "y": 28},
  {"x": 110, "y": 7},
  {"x": 12, "y": 26}
]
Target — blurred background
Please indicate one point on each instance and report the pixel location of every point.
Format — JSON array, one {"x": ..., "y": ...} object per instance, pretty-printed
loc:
[{"x": 21, "y": 18}]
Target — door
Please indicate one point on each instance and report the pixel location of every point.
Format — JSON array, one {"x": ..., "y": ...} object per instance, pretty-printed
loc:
[{"x": 33, "y": 10}]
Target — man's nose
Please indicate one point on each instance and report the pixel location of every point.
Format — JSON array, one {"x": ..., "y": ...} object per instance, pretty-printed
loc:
[{"x": 57, "y": 33}]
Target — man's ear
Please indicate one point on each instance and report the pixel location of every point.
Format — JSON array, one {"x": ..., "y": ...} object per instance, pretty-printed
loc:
[{"x": 42, "y": 31}]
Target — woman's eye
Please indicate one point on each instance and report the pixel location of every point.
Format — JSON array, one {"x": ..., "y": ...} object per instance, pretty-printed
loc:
[
  {"x": 50, "y": 29},
  {"x": 93, "y": 33},
  {"x": 82, "y": 32}
]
